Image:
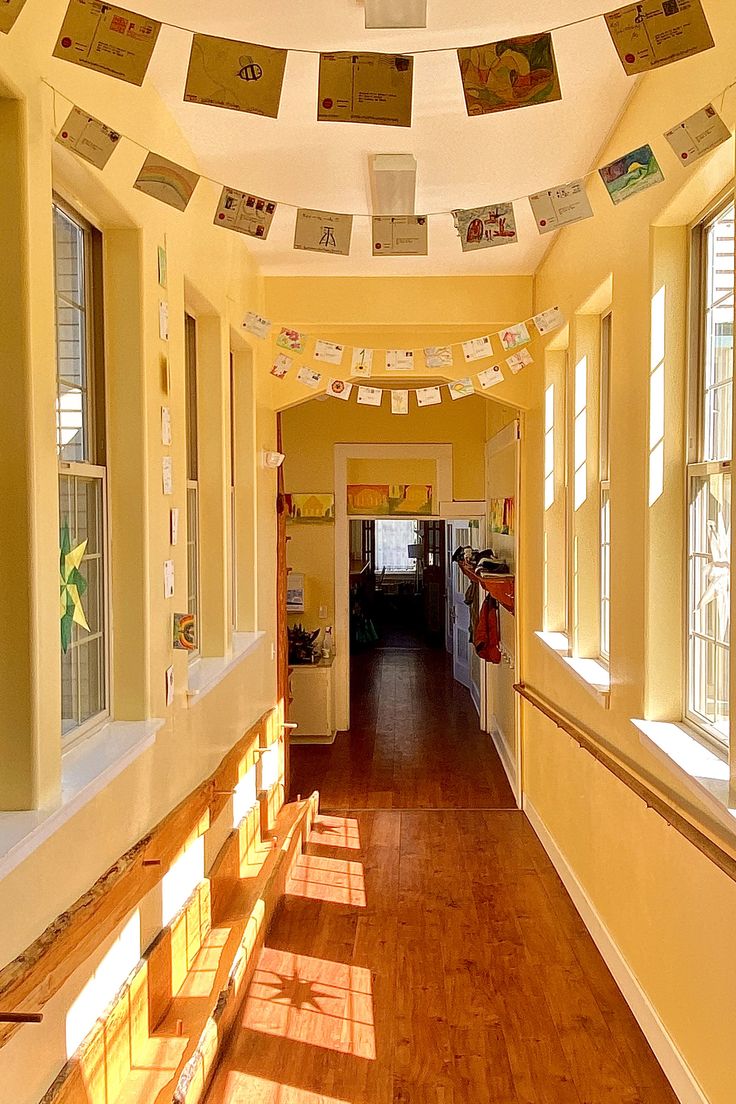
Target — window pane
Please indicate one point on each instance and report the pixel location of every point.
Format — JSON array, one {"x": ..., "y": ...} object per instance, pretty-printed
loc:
[
  {"x": 193, "y": 556},
  {"x": 73, "y": 431},
  {"x": 605, "y": 644},
  {"x": 392, "y": 546},
  {"x": 718, "y": 316}
]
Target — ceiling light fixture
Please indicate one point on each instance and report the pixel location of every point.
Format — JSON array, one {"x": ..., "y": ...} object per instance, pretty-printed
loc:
[{"x": 395, "y": 13}]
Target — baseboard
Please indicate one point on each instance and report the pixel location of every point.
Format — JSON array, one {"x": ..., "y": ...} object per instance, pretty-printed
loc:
[
  {"x": 676, "y": 1069},
  {"x": 503, "y": 753}
]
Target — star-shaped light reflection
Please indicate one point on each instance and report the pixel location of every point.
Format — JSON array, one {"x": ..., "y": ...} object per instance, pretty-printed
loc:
[{"x": 298, "y": 992}]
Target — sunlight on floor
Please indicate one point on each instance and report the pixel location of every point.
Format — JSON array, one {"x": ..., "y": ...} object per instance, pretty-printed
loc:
[
  {"x": 336, "y": 832},
  {"x": 335, "y": 880},
  {"x": 311, "y": 1000},
  {"x": 243, "y": 1088}
]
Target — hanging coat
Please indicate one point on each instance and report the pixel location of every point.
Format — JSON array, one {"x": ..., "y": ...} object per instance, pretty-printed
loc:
[{"x": 487, "y": 638}]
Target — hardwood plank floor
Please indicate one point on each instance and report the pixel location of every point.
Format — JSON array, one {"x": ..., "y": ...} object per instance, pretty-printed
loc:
[{"x": 428, "y": 955}]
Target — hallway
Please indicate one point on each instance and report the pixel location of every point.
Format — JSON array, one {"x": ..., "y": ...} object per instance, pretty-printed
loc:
[{"x": 426, "y": 951}]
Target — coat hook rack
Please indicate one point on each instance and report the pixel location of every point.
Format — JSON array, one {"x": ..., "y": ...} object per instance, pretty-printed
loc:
[{"x": 21, "y": 1017}]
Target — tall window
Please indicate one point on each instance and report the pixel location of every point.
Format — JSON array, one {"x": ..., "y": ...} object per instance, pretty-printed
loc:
[
  {"x": 80, "y": 443},
  {"x": 233, "y": 526},
  {"x": 709, "y": 476},
  {"x": 190, "y": 371},
  {"x": 392, "y": 546},
  {"x": 605, "y": 502}
]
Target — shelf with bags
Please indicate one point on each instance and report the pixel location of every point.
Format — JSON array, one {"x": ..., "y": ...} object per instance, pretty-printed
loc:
[{"x": 500, "y": 587}]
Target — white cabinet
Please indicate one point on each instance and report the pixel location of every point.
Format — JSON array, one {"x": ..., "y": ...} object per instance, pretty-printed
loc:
[{"x": 312, "y": 707}]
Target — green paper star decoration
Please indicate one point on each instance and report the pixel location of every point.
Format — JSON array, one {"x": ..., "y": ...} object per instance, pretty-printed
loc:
[{"x": 72, "y": 587}]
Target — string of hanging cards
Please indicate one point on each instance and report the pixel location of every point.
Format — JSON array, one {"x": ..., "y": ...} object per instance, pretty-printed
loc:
[{"x": 292, "y": 343}]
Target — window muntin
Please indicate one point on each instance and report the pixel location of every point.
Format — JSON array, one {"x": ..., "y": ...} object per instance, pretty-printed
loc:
[
  {"x": 193, "y": 555},
  {"x": 709, "y": 478},
  {"x": 82, "y": 486}
]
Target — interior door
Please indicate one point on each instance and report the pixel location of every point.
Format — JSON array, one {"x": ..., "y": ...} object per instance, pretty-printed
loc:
[{"x": 458, "y": 533}]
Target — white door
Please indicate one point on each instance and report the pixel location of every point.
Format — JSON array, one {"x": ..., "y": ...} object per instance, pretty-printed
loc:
[{"x": 458, "y": 533}]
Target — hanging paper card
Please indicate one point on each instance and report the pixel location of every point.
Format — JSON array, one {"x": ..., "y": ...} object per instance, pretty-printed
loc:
[
  {"x": 362, "y": 363},
  {"x": 165, "y": 425},
  {"x": 168, "y": 578},
  {"x": 254, "y": 324},
  {"x": 549, "y": 320},
  {"x": 698, "y": 134},
  {"x": 169, "y": 685},
  {"x": 163, "y": 320},
  {"x": 291, "y": 340},
  {"x": 560, "y": 206},
  {"x": 399, "y": 360},
  {"x": 460, "y": 389},
  {"x": 517, "y": 72},
  {"x": 399, "y": 402},
  {"x": 167, "y": 479},
  {"x": 166, "y": 181},
  {"x": 248, "y": 214},
  {"x": 519, "y": 360},
  {"x": 339, "y": 389},
  {"x": 365, "y": 88},
  {"x": 185, "y": 632},
  {"x": 477, "y": 349},
  {"x": 328, "y": 353},
  {"x": 631, "y": 174},
  {"x": 657, "y": 32},
  {"x": 370, "y": 396},
  {"x": 110, "y": 40},
  {"x": 308, "y": 377},
  {"x": 9, "y": 12},
  {"x": 481, "y": 227},
  {"x": 281, "y": 366},
  {"x": 174, "y": 525},
  {"x": 489, "y": 377},
  {"x": 514, "y": 336},
  {"x": 400, "y": 236},
  {"x": 162, "y": 266},
  {"x": 87, "y": 136},
  {"x": 428, "y": 396},
  {"x": 438, "y": 356},
  {"x": 237, "y": 75},
  {"x": 322, "y": 232}
]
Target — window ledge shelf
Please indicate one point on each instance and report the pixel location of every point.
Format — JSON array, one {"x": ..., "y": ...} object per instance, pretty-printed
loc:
[
  {"x": 704, "y": 772},
  {"x": 589, "y": 672},
  {"x": 85, "y": 771},
  {"x": 207, "y": 673}
]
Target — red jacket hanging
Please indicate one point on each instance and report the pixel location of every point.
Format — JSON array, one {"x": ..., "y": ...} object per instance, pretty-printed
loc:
[{"x": 487, "y": 637}]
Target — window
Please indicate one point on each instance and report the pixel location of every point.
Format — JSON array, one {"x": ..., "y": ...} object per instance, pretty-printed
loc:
[
  {"x": 80, "y": 443},
  {"x": 392, "y": 547},
  {"x": 233, "y": 525},
  {"x": 190, "y": 370},
  {"x": 605, "y": 502},
  {"x": 709, "y": 476}
]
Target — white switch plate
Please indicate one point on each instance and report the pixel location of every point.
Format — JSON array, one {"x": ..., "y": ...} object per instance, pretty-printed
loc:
[{"x": 323, "y": 613}]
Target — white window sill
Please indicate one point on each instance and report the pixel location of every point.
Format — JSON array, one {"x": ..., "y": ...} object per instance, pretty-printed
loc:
[
  {"x": 85, "y": 771},
  {"x": 704, "y": 772},
  {"x": 590, "y": 672},
  {"x": 205, "y": 674}
]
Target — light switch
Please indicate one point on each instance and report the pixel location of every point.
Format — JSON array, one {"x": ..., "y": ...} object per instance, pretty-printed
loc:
[{"x": 323, "y": 613}]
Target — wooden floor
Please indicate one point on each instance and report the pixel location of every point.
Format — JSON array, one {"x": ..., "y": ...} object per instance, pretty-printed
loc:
[{"x": 428, "y": 956}]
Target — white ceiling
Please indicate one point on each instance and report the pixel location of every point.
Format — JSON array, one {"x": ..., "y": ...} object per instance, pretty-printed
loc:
[{"x": 462, "y": 162}]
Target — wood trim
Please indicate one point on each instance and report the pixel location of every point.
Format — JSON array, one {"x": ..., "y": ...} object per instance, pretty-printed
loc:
[
  {"x": 35, "y": 975},
  {"x": 678, "y": 817}
]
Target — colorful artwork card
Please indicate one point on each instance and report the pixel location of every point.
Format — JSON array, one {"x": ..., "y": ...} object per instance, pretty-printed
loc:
[
  {"x": 254, "y": 324},
  {"x": 477, "y": 349},
  {"x": 185, "y": 632},
  {"x": 88, "y": 137},
  {"x": 365, "y": 88},
  {"x": 514, "y": 336},
  {"x": 399, "y": 236},
  {"x": 108, "y": 39},
  {"x": 549, "y": 320},
  {"x": 245, "y": 213},
  {"x": 166, "y": 181},
  {"x": 308, "y": 377},
  {"x": 9, "y": 12},
  {"x": 339, "y": 389},
  {"x": 281, "y": 366},
  {"x": 698, "y": 134},
  {"x": 323, "y": 232},
  {"x": 399, "y": 360},
  {"x": 162, "y": 266},
  {"x": 399, "y": 402},
  {"x": 658, "y": 32},
  {"x": 460, "y": 389},
  {"x": 519, "y": 360},
  {"x": 369, "y": 396},
  {"x": 517, "y": 72},
  {"x": 428, "y": 396},
  {"x": 438, "y": 356},
  {"x": 292, "y": 340},
  {"x": 310, "y": 506},
  {"x": 633, "y": 173},
  {"x": 560, "y": 206},
  {"x": 328, "y": 353},
  {"x": 489, "y": 377},
  {"x": 362, "y": 363},
  {"x": 236, "y": 75},
  {"x": 483, "y": 227}
]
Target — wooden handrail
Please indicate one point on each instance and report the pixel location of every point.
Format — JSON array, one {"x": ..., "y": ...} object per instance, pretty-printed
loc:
[{"x": 667, "y": 807}]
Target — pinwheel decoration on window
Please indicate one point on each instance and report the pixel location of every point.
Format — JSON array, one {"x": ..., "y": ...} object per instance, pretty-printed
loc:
[
  {"x": 73, "y": 586},
  {"x": 718, "y": 572}
]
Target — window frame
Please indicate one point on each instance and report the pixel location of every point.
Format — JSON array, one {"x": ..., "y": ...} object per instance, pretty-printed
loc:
[
  {"x": 94, "y": 468},
  {"x": 191, "y": 403},
  {"x": 604, "y": 486},
  {"x": 695, "y": 467}
]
